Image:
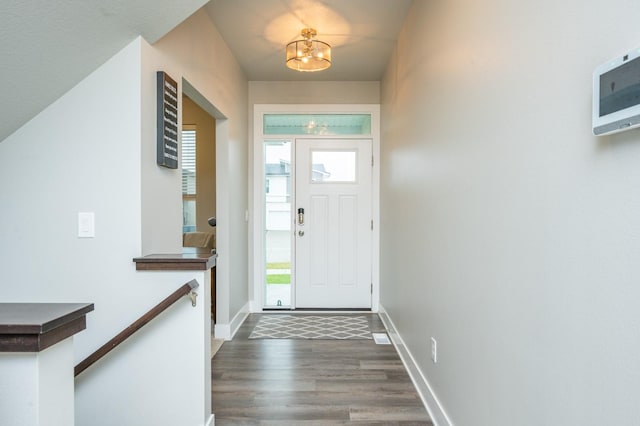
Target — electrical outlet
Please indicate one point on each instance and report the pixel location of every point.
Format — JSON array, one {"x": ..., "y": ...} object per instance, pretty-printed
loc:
[{"x": 434, "y": 350}]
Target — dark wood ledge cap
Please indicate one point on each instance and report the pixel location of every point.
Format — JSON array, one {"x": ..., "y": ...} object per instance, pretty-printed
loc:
[
  {"x": 33, "y": 327},
  {"x": 176, "y": 262}
]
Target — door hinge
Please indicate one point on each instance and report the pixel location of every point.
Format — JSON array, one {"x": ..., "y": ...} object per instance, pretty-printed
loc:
[
  {"x": 372, "y": 224},
  {"x": 371, "y": 288},
  {"x": 372, "y": 161}
]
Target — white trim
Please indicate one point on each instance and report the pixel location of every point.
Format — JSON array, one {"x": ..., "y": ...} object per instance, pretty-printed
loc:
[
  {"x": 254, "y": 306},
  {"x": 227, "y": 331},
  {"x": 256, "y": 185},
  {"x": 223, "y": 202},
  {"x": 211, "y": 421},
  {"x": 437, "y": 413},
  {"x": 238, "y": 319},
  {"x": 222, "y": 331}
]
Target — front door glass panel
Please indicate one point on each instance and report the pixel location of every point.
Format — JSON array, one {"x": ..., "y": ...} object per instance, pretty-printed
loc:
[
  {"x": 277, "y": 221},
  {"x": 333, "y": 166}
]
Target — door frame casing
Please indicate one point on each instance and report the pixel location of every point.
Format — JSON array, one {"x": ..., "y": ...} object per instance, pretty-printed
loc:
[{"x": 256, "y": 179}]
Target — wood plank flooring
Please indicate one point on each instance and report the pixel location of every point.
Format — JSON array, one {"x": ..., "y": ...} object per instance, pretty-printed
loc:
[{"x": 312, "y": 382}]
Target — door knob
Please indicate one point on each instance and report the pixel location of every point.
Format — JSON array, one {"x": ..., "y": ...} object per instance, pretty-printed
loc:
[{"x": 301, "y": 233}]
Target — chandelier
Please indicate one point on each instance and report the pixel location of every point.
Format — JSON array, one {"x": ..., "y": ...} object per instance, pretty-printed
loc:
[{"x": 309, "y": 54}]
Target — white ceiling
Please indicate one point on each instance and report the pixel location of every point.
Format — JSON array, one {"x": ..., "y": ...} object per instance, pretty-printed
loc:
[
  {"x": 362, "y": 34},
  {"x": 48, "y": 46}
]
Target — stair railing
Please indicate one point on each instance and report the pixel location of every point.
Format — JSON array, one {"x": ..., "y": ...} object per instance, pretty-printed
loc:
[{"x": 186, "y": 289}]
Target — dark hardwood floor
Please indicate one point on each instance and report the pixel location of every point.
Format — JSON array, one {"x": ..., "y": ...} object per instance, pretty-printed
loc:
[{"x": 312, "y": 382}]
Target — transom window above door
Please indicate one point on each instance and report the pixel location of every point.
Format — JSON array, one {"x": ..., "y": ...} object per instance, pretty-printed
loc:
[{"x": 317, "y": 124}]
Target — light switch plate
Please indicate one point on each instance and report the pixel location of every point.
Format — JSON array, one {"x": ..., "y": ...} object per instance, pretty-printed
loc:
[{"x": 86, "y": 225}]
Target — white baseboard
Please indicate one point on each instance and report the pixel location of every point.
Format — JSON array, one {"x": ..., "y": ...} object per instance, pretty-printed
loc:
[
  {"x": 254, "y": 306},
  {"x": 238, "y": 319},
  {"x": 436, "y": 411},
  {"x": 222, "y": 331},
  {"x": 211, "y": 421},
  {"x": 227, "y": 331}
]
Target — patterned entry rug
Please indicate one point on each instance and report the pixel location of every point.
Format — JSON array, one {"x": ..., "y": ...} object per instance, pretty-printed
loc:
[{"x": 344, "y": 327}]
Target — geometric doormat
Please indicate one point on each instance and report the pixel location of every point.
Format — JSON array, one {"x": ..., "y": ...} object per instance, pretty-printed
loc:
[{"x": 344, "y": 327}]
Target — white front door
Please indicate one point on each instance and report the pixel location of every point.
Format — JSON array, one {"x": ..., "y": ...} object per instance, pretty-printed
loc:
[{"x": 333, "y": 216}]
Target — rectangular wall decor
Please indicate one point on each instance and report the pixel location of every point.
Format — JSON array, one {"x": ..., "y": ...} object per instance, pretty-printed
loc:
[{"x": 167, "y": 122}]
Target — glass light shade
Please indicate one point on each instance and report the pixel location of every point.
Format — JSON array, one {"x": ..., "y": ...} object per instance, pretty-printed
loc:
[{"x": 308, "y": 55}]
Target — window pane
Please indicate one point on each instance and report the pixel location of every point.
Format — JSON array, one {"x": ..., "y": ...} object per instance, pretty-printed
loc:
[
  {"x": 188, "y": 215},
  {"x": 277, "y": 242},
  {"x": 188, "y": 154},
  {"x": 188, "y": 162},
  {"x": 317, "y": 124},
  {"x": 333, "y": 166}
]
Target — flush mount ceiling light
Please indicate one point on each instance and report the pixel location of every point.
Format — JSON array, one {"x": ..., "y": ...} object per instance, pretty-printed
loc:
[{"x": 308, "y": 54}]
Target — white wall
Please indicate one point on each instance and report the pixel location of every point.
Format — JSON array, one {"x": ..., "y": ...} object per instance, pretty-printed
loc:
[
  {"x": 196, "y": 52},
  {"x": 37, "y": 388},
  {"x": 83, "y": 154},
  {"x": 509, "y": 232},
  {"x": 94, "y": 150},
  {"x": 313, "y": 92}
]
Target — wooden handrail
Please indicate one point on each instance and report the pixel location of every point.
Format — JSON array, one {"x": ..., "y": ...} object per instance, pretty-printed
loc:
[{"x": 137, "y": 325}]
